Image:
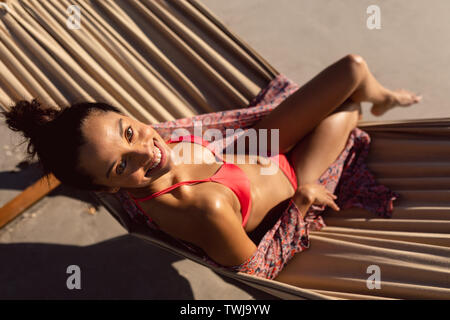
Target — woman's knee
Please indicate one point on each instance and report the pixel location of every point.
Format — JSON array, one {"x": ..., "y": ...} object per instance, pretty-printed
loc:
[
  {"x": 355, "y": 66},
  {"x": 355, "y": 58}
]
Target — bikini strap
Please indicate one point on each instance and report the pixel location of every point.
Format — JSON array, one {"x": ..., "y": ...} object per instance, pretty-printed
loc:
[{"x": 156, "y": 194}]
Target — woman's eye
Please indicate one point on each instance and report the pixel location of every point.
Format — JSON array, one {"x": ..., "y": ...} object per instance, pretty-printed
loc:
[
  {"x": 121, "y": 167},
  {"x": 129, "y": 133}
]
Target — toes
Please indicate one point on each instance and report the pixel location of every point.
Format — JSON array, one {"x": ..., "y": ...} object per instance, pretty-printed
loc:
[
  {"x": 415, "y": 98},
  {"x": 407, "y": 97}
]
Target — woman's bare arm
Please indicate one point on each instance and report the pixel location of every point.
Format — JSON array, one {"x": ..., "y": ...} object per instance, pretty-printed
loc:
[
  {"x": 211, "y": 224},
  {"x": 222, "y": 236}
]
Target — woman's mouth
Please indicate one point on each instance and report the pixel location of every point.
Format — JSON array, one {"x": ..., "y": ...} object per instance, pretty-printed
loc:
[{"x": 159, "y": 158}]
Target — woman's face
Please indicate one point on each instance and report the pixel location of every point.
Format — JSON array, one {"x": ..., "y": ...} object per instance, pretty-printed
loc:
[{"x": 121, "y": 151}]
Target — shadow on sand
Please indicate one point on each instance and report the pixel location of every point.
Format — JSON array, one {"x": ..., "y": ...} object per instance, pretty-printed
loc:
[{"x": 124, "y": 267}]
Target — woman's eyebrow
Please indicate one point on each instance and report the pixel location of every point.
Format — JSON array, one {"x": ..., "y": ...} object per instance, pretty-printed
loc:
[{"x": 120, "y": 134}]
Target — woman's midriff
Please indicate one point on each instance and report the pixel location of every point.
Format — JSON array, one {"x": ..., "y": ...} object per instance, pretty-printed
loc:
[{"x": 269, "y": 187}]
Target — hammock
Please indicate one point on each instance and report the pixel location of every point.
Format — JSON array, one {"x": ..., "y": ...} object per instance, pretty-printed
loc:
[{"x": 169, "y": 63}]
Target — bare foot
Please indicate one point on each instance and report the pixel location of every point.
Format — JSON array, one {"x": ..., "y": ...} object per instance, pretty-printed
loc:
[{"x": 400, "y": 97}]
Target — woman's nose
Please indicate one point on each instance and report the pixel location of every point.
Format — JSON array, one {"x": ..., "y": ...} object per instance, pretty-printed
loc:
[
  {"x": 144, "y": 151},
  {"x": 144, "y": 147},
  {"x": 144, "y": 154}
]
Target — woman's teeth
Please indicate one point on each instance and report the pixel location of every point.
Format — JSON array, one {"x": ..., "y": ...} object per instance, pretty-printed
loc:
[{"x": 157, "y": 160}]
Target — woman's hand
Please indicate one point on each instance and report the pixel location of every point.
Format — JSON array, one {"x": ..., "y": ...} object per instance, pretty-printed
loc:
[{"x": 314, "y": 193}]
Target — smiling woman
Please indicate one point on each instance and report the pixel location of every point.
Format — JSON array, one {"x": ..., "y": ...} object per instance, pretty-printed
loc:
[
  {"x": 58, "y": 139},
  {"x": 213, "y": 205},
  {"x": 92, "y": 146},
  {"x": 128, "y": 153}
]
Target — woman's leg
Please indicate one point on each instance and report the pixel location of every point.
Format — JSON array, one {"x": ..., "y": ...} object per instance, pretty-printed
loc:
[
  {"x": 347, "y": 79},
  {"x": 321, "y": 147}
]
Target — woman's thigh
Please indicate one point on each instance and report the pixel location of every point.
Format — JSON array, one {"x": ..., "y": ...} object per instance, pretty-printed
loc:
[
  {"x": 303, "y": 110},
  {"x": 320, "y": 148}
]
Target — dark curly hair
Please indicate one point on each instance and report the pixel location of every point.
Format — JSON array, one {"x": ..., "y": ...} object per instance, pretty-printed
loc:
[{"x": 56, "y": 137}]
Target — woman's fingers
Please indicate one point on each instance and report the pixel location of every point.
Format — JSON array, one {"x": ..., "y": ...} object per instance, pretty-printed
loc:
[
  {"x": 328, "y": 192},
  {"x": 333, "y": 205},
  {"x": 323, "y": 196},
  {"x": 331, "y": 194}
]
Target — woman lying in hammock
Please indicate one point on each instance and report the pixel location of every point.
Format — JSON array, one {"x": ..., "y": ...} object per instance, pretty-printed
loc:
[{"x": 93, "y": 146}]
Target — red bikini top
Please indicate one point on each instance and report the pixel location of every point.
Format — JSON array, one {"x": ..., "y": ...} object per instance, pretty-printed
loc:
[{"x": 228, "y": 174}]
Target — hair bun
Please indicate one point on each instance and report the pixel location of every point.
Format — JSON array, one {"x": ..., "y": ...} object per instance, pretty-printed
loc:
[{"x": 29, "y": 117}]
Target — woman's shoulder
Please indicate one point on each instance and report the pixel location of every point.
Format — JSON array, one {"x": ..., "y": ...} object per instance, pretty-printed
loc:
[
  {"x": 215, "y": 228},
  {"x": 191, "y": 214},
  {"x": 194, "y": 206}
]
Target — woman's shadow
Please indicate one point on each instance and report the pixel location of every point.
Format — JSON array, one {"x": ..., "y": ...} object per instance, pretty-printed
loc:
[
  {"x": 120, "y": 268},
  {"x": 125, "y": 267}
]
